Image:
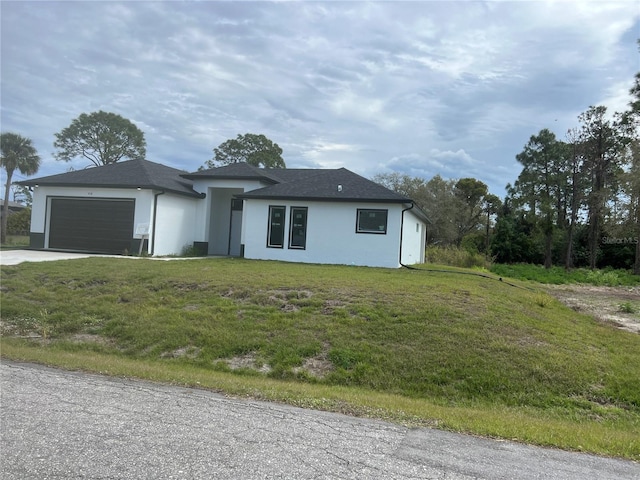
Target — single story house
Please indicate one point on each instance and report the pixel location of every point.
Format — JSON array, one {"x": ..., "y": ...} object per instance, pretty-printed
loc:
[{"x": 331, "y": 216}]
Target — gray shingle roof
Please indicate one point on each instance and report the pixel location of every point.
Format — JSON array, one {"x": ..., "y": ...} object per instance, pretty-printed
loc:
[
  {"x": 334, "y": 184},
  {"x": 239, "y": 170},
  {"x": 127, "y": 174},
  {"x": 286, "y": 183},
  {"x": 304, "y": 183}
]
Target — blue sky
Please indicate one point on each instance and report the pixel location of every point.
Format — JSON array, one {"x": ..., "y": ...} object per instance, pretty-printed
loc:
[{"x": 423, "y": 88}]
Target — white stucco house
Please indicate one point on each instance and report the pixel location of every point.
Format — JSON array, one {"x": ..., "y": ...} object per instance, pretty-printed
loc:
[{"x": 331, "y": 216}]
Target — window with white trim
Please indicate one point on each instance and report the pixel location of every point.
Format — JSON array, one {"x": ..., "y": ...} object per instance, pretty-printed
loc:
[{"x": 371, "y": 221}]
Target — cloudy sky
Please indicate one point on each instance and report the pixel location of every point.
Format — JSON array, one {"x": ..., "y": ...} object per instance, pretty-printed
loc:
[{"x": 454, "y": 88}]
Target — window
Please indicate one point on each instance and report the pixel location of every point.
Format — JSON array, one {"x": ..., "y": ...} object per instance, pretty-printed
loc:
[
  {"x": 298, "y": 228},
  {"x": 275, "y": 237},
  {"x": 371, "y": 221}
]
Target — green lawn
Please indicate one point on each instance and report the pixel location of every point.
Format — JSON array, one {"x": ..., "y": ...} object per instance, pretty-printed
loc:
[
  {"x": 558, "y": 275},
  {"x": 15, "y": 242},
  {"x": 460, "y": 352}
]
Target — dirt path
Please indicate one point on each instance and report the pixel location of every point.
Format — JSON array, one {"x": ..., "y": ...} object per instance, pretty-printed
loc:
[{"x": 619, "y": 306}]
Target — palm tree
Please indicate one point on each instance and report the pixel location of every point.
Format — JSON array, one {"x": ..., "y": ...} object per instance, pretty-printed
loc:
[{"x": 18, "y": 153}]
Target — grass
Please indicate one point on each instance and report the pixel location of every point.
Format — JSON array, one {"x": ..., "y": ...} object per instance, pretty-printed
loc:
[
  {"x": 460, "y": 352},
  {"x": 559, "y": 276},
  {"x": 456, "y": 257},
  {"x": 15, "y": 242},
  {"x": 627, "y": 307}
]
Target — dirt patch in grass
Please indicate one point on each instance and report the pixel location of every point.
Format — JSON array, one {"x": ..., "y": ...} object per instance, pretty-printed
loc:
[
  {"x": 90, "y": 338},
  {"x": 318, "y": 366},
  {"x": 248, "y": 360},
  {"x": 286, "y": 299},
  {"x": 619, "y": 306},
  {"x": 188, "y": 352}
]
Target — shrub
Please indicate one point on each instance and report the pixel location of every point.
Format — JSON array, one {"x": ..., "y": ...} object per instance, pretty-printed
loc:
[
  {"x": 19, "y": 223},
  {"x": 558, "y": 275},
  {"x": 627, "y": 307},
  {"x": 456, "y": 257}
]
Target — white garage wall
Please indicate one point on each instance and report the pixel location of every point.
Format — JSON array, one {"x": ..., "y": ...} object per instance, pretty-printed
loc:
[
  {"x": 331, "y": 234},
  {"x": 39, "y": 210},
  {"x": 174, "y": 225}
]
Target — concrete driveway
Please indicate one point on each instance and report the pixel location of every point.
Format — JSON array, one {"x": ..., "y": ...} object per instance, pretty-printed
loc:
[{"x": 14, "y": 257}]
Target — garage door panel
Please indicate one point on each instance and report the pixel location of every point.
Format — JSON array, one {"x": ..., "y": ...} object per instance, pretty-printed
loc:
[{"x": 93, "y": 225}]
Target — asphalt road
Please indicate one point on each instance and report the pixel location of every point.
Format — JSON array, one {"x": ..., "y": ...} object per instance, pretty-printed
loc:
[{"x": 69, "y": 425}]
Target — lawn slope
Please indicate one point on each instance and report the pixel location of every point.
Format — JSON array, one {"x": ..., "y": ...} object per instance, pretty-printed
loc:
[{"x": 461, "y": 351}]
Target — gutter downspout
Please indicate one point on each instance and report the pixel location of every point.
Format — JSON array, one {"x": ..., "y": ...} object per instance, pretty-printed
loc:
[
  {"x": 401, "y": 235},
  {"x": 153, "y": 222}
]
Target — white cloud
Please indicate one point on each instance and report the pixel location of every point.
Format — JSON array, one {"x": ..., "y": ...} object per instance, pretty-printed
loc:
[{"x": 454, "y": 88}]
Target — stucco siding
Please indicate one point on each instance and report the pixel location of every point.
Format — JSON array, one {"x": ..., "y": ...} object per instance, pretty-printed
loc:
[
  {"x": 203, "y": 185},
  {"x": 42, "y": 195},
  {"x": 331, "y": 234},
  {"x": 207, "y": 209},
  {"x": 174, "y": 225},
  {"x": 413, "y": 239}
]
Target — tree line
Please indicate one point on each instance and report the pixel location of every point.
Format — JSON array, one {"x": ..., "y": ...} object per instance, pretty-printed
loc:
[
  {"x": 575, "y": 203},
  {"x": 576, "y": 198}
]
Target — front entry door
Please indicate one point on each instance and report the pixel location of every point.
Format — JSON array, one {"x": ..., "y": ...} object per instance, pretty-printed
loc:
[{"x": 235, "y": 228}]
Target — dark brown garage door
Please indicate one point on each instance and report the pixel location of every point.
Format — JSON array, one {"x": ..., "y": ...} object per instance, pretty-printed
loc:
[{"x": 91, "y": 225}]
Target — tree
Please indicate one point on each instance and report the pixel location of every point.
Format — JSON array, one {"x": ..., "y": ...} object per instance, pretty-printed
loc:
[
  {"x": 435, "y": 197},
  {"x": 633, "y": 186},
  {"x": 576, "y": 182},
  {"x": 469, "y": 194},
  {"x": 602, "y": 145},
  {"x": 441, "y": 208},
  {"x": 632, "y": 121},
  {"x": 542, "y": 185},
  {"x": 18, "y": 153},
  {"x": 256, "y": 150},
  {"x": 22, "y": 195},
  {"x": 102, "y": 138},
  {"x": 414, "y": 188},
  {"x": 512, "y": 240},
  {"x": 492, "y": 206}
]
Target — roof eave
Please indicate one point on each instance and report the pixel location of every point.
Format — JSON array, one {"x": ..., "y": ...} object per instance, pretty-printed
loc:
[
  {"x": 31, "y": 183},
  {"x": 321, "y": 199},
  {"x": 193, "y": 176}
]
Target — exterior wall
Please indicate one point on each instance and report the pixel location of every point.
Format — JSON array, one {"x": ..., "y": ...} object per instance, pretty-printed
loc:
[
  {"x": 174, "y": 225},
  {"x": 331, "y": 234},
  {"x": 174, "y": 222},
  {"x": 40, "y": 208},
  {"x": 413, "y": 239},
  {"x": 220, "y": 219},
  {"x": 206, "y": 209}
]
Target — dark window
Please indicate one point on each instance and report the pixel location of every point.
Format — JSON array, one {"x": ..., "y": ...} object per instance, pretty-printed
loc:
[
  {"x": 371, "y": 221},
  {"x": 275, "y": 237},
  {"x": 298, "y": 228}
]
